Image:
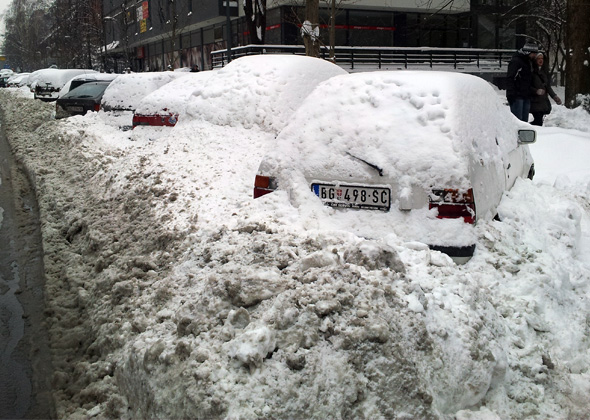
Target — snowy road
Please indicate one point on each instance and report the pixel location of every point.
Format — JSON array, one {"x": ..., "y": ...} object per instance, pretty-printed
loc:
[{"x": 21, "y": 295}]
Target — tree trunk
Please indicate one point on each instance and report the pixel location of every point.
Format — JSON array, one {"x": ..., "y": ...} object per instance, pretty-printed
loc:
[
  {"x": 311, "y": 28},
  {"x": 578, "y": 51}
]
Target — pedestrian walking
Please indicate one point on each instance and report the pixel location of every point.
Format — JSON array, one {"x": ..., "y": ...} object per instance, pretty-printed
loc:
[
  {"x": 520, "y": 79},
  {"x": 540, "y": 103}
]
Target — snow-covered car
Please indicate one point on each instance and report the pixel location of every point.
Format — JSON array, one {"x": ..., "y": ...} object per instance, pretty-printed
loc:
[
  {"x": 423, "y": 155},
  {"x": 76, "y": 81},
  {"x": 47, "y": 83},
  {"x": 162, "y": 106},
  {"x": 5, "y": 74},
  {"x": 258, "y": 90},
  {"x": 82, "y": 99},
  {"x": 126, "y": 91},
  {"x": 18, "y": 80}
]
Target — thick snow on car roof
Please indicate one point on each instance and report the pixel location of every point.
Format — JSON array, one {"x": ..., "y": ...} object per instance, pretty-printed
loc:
[
  {"x": 57, "y": 77},
  {"x": 172, "y": 97},
  {"x": 411, "y": 124},
  {"x": 127, "y": 90},
  {"x": 91, "y": 76},
  {"x": 261, "y": 90}
]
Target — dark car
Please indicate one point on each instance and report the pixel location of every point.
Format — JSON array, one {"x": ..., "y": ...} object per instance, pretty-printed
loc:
[{"x": 82, "y": 99}]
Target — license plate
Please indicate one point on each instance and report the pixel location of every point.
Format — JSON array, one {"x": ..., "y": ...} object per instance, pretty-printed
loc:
[
  {"x": 353, "y": 196},
  {"x": 76, "y": 108}
]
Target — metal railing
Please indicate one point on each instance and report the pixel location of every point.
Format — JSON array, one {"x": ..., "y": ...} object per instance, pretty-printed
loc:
[{"x": 387, "y": 58}]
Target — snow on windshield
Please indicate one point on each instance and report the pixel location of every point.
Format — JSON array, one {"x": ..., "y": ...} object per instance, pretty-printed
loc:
[{"x": 90, "y": 76}]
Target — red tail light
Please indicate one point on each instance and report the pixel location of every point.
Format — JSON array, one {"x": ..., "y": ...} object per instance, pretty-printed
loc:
[
  {"x": 453, "y": 204},
  {"x": 156, "y": 120},
  {"x": 96, "y": 107},
  {"x": 264, "y": 185}
]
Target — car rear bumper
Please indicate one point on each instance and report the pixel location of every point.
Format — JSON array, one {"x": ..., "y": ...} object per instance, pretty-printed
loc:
[{"x": 155, "y": 120}]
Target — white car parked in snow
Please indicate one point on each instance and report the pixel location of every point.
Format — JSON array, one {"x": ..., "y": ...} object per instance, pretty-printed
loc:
[
  {"x": 422, "y": 155},
  {"x": 46, "y": 83}
]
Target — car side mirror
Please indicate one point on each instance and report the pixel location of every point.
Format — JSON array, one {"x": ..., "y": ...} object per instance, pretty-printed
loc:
[{"x": 527, "y": 136}]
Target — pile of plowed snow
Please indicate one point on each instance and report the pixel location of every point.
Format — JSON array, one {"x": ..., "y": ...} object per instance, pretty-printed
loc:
[{"x": 172, "y": 294}]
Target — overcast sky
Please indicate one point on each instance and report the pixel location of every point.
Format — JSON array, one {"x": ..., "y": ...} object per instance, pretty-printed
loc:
[{"x": 4, "y": 5}]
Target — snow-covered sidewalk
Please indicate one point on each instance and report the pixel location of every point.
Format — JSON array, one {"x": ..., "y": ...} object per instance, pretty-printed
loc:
[{"x": 172, "y": 294}]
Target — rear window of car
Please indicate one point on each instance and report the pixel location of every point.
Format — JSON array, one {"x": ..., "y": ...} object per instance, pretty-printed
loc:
[{"x": 87, "y": 90}]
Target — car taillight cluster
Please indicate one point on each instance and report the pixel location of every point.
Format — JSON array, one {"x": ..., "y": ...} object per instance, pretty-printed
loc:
[
  {"x": 453, "y": 204},
  {"x": 168, "y": 120},
  {"x": 96, "y": 107},
  {"x": 264, "y": 185}
]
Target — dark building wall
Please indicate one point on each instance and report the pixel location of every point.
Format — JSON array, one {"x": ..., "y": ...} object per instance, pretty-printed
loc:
[{"x": 199, "y": 28}]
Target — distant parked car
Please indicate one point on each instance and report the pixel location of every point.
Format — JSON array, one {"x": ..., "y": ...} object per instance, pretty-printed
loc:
[
  {"x": 5, "y": 74},
  {"x": 18, "y": 80},
  {"x": 79, "y": 101},
  {"x": 424, "y": 155},
  {"x": 162, "y": 106},
  {"x": 126, "y": 91},
  {"x": 46, "y": 83}
]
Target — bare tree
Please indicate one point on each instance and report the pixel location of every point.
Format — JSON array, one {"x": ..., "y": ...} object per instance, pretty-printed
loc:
[
  {"x": 577, "y": 84},
  {"x": 173, "y": 19},
  {"x": 25, "y": 40},
  {"x": 76, "y": 36},
  {"x": 545, "y": 22}
]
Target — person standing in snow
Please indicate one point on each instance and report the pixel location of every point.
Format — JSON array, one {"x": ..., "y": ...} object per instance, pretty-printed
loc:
[
  {"x": 519, "y": 80},
  {"x": 540, "y": 104}
]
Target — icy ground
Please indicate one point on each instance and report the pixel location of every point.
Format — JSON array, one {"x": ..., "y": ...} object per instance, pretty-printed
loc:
[{"x": 172, "y": 294}]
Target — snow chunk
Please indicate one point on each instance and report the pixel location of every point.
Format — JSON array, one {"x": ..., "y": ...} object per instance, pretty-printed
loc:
[{"x": 251, "y": 347}]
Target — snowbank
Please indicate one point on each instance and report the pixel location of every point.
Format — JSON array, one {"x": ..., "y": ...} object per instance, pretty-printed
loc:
[{"x": 172, "y": 294}]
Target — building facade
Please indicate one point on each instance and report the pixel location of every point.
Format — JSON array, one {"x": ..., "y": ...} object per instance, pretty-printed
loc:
[{"x": 152, "y": 35}]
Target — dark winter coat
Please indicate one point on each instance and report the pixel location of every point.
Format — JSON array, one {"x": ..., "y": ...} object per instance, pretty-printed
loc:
[
  {"x": 541, "y": 103},
  {"x": 519, "y": 77}
]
